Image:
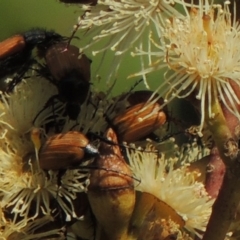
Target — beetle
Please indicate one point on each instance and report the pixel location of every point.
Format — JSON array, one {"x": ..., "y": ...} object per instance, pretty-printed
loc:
[
  {"x": 65, "y": 150},
  {"x": 141, "y": 118},
  {"x": 16, "y": 52},
  {"x": 138, "y": 121},
  {"x": 70, "y": 72},
  {"x": 68, "y": 150}
]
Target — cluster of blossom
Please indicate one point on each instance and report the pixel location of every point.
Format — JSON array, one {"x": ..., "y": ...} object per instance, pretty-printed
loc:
[
  {"x": 197, "y": 47},
  {"x": 31, "y": 198}
]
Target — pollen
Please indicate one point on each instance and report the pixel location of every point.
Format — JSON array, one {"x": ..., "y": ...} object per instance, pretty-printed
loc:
[
  {"x": 176, "y": 187},
  {"x": 122, "y": 25},
  {"x": 201, "y": 58}
]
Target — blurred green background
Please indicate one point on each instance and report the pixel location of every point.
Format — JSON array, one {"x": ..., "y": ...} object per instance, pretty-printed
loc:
[{"x": 19, "y": 16}]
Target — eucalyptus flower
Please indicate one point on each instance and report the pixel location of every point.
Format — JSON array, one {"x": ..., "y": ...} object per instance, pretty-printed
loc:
[
  {"x": 26, "y": 190},
  {"x": 29, "y": 229},
  {"x": 201, "y": 57},
  {"x": 177, "y": 188},
  {"x": 119, "y": 25},
  {"x": 20, "y": 107}
]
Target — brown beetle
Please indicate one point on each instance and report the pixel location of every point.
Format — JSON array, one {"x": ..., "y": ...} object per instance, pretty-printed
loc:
[
  {"x": 138, "y": 121},
  {"x": 16, "y": 53},
  {"x": 66, "y": 150},
  {"x": 62, "y": 61},
  {"x": 11, "y": 46},
  {"x": 70, "y": 72}
]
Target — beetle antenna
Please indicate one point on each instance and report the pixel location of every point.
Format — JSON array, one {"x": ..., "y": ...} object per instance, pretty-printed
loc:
[
  {"x": 75, "y": 28},
  {"x": 117, "y": 144},
  {"x": 107, "y": 170},
  {"x": 20, "y": 75},
  {"x": 47, "y": 104}
]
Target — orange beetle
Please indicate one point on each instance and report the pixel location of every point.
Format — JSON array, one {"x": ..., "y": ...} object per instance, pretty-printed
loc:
[
  {"x": 11, "y": 46},
  {"x": 65, "y": 150},
  {"x": 16, "y": 52},
  {"x": 138, "y": 121}
]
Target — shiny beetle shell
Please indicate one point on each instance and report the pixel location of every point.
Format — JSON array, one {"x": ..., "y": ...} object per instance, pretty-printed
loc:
[
  {"x": 11, "y": 46},
  {"x": 62, "y": 60},
  {"x": 71, "y": 73},
  {"x": 62, "y": 151},
  {"x": 16, "y": 53},
  {"x": 139, "y": 121}
]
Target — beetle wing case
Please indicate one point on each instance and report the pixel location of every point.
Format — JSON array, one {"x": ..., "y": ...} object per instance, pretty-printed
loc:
[
  {"x": 138, "y": 121},
  {"x": 62, "y": 60},
  {"x": 70, "y": 70},
  {"x": 11, "y": 46},
  {"x": 63, "y": 150}
]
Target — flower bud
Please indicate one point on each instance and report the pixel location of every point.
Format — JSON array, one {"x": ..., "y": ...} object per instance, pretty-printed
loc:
[{"x": 111, "y": 193}]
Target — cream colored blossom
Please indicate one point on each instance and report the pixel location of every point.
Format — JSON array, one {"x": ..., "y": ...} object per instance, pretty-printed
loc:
[
  {"x": 176, "y": 187},
  {"x": 24, "y": 187},
  {"x": 20, "y": 107},
  {"x": 201, "y": 52},
  {"x": 118, "y": 25},
  {"x": 28, "y": 229},
  {"x": 32, "y": 189},
  {"x": 191, "y": 152}
]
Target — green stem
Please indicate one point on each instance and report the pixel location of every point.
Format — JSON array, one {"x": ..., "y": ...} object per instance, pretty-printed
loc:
[
  {"x": 220, "y": 131},
  {"x": 225, "y": 206}
]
